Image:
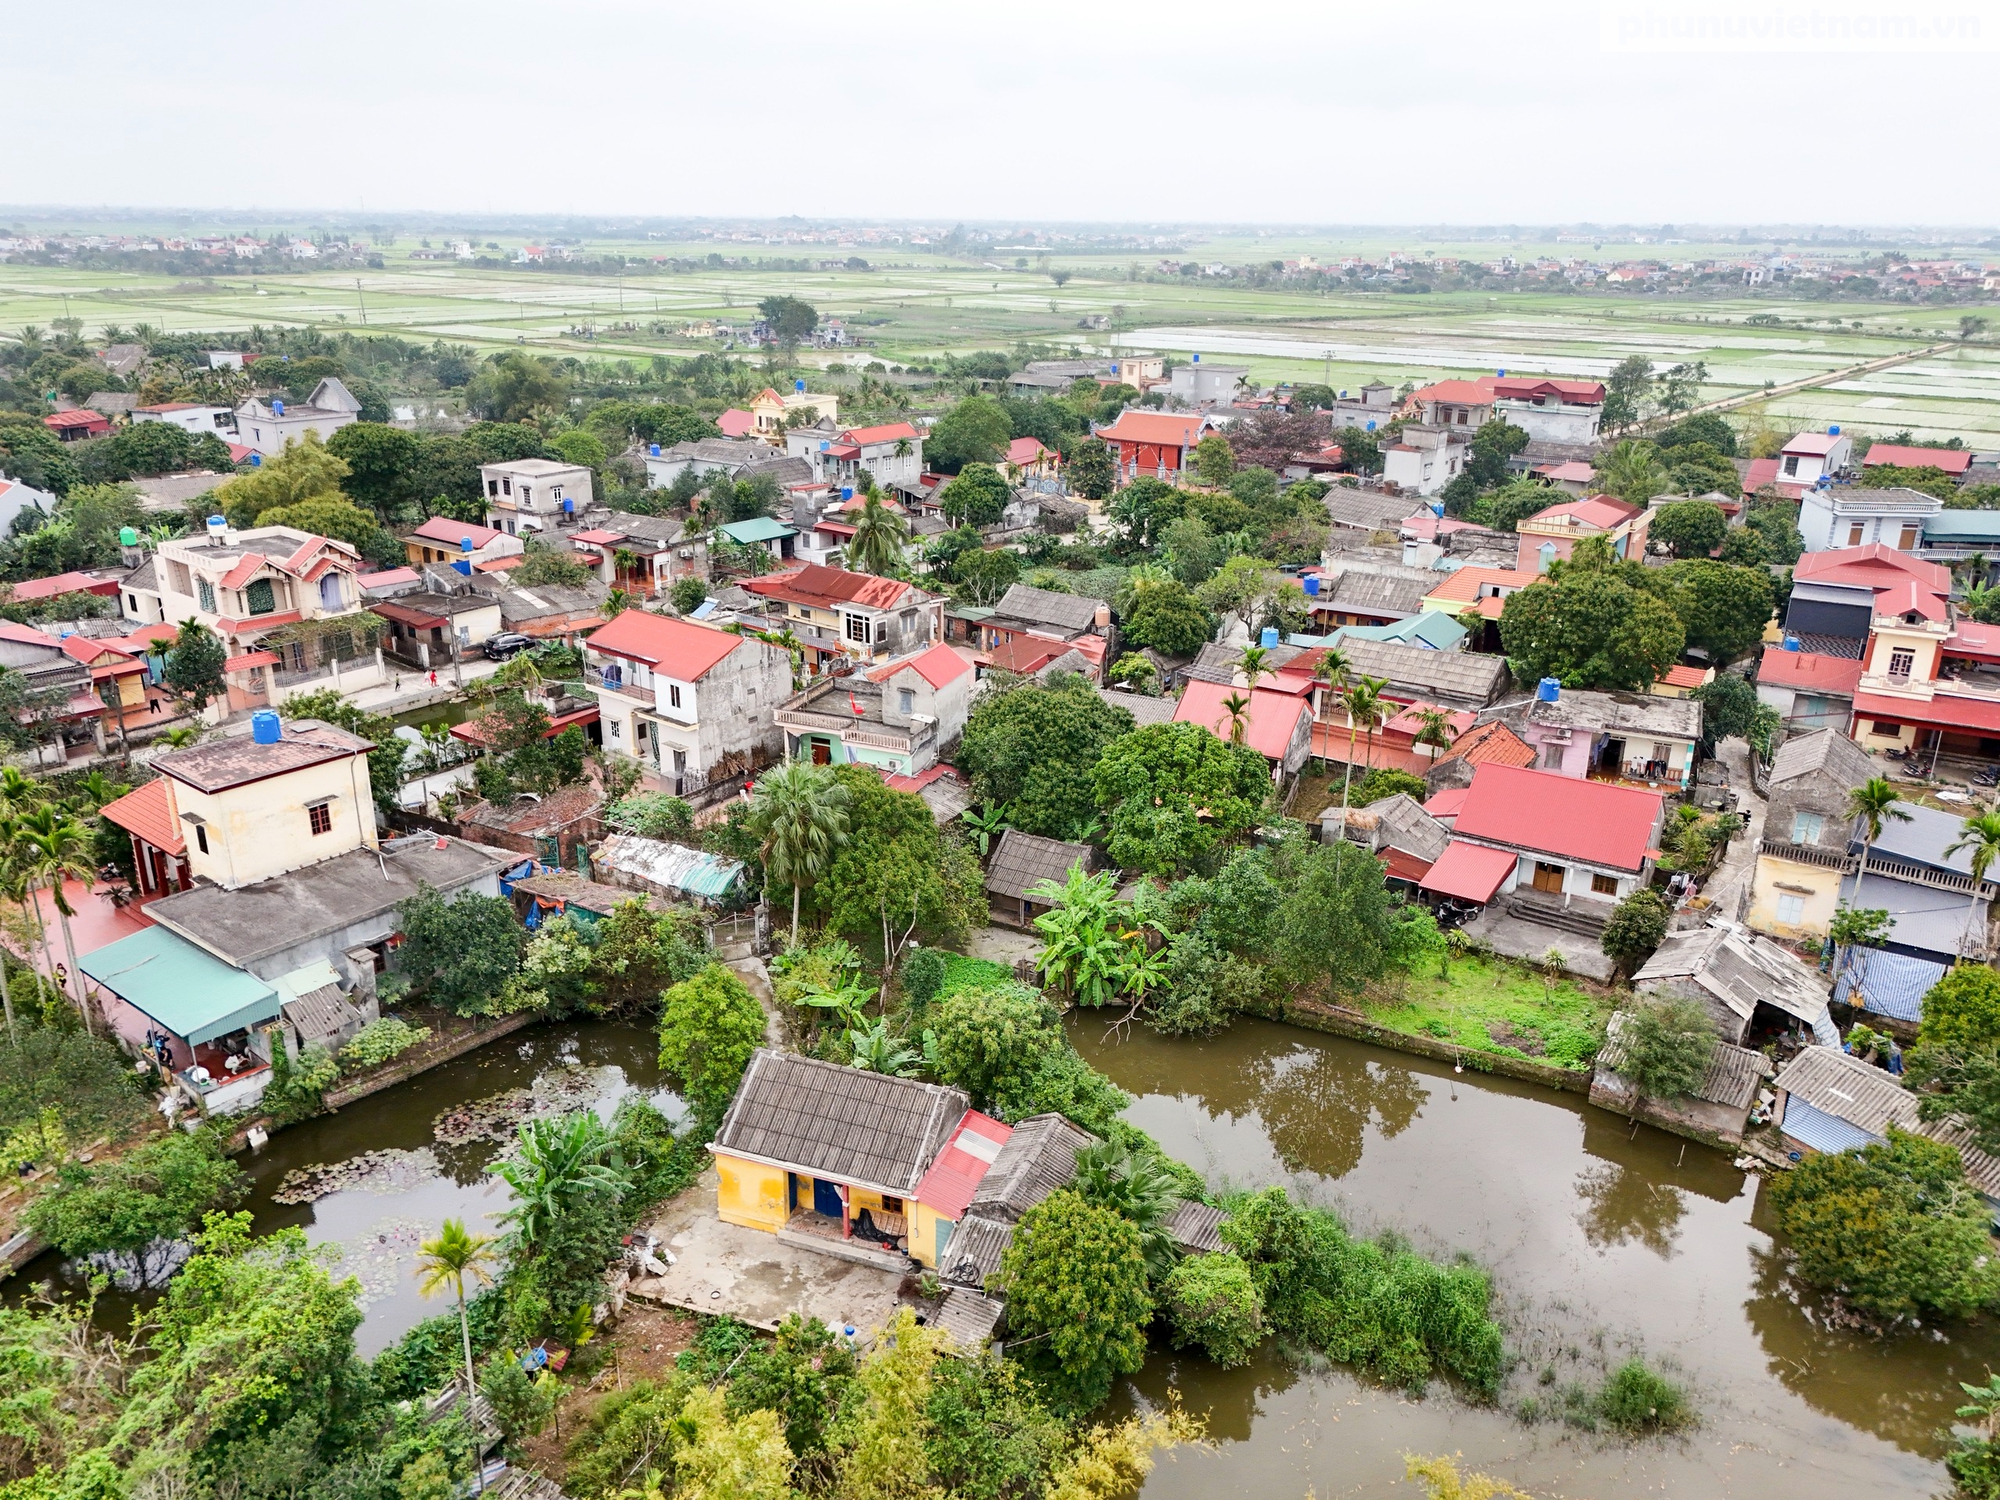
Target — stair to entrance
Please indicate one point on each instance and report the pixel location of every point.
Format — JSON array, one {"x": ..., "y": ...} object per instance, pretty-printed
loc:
[{"x": 1549, "y": 911}]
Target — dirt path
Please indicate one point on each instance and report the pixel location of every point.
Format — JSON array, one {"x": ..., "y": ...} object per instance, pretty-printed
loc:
[
  {"x": 753, "y": 974},
  {"x": 1728, "y": 886}
]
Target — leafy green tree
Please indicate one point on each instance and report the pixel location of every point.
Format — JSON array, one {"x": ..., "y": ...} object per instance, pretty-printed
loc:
[
  {"x": 985, "y": 1435},
  {"x": 555, "y": 1163},
  {"x": 792, "y": 322},
  {"x": 1141, "y": 1187},
  {"x": 1214, "y": 459},
  {"x": 515, "y": 385},
  {"x": 1780, "y": 533},
  {"x": 338, "y": 517},
  {"x": 1696, "y": 469},
  {"x": 1035, "y": 747},
  {"x": 306, "y": 470},
  {"x": 720, "y": 1459},
  {"x": 804, "y": 1375},
  {"x": 1384, "y": 781},
  {"x": 546, "y": 566},
  {"x": 1212, "y": 1305},
  {"x": 1730, "y": 710},
  {"x": 1962, "y": 1012},
  {"x": 709, "y": 1026},
  {"x": 1668, "y": 1042},
  {"x": 1708, "y": 428},
  {"x": 194, "y": 666},
  {"x": 1979, "y": 839},
  {"x": 980, "y": 578},
  {"x": 1091, "y": 471},
  {"x": 1638, "y": 925},
  {"x": 1175, "y": 793},
  {"x": 1723, "y": 610},
  {"x": 1167, "y": 618},
  {"x": 381, "y": 466},
  {"x": 1359, "y": 450},
  {"x": 1507, "y": 507},
  {"x": 459, "y": 953},
  {"x": 159, "y": 1191},
  {"x": 976, "y": 496},
  {"x": 1338, "y": 926},
  {"x": 1590, "y": 630},
  {"x": 1492, "y": 445},
  {"x": 993, "y": 1039},
  {"x": 898, "y": 876},
  {"x": 1145, "y": 508},
  {"x": 1895, "y": 1228},
  {"x": 1077, "y": 1300},
  {"x": 1627, "y": 392},
  {"x": 687, "y": 594},
  {"x": 1689, "y": 528},
  {"x": 976, "y": 431},
  {"x": 1632, "y": 471}
]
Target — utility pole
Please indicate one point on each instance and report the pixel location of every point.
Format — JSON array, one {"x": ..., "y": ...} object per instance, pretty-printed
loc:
[{"x": 361, "y": 299}]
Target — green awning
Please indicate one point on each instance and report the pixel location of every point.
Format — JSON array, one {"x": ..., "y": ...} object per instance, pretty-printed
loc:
[
  {"x": 184, "y": 989},
  {"x": 757, "y": 529}
]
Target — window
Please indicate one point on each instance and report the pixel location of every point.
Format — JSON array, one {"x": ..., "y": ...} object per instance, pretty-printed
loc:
[
  {"x": 906, "y": 701},
  {"x": 201, "y": 838},
  {"x": 1791, "y": 466},
  {"x": 1908, "y": 540},
  {"x": 492, "y": 486},
  {"x": 857, "y": 628},
  {"x": 259, "y": 597},
  {"x": 320, "y": 816},
  {"x": 205, "y": 594},
  {"x": 1791, "y": 910},
  {"x": 506, "y": 486},
  {"x": 1854, "y": 532},
  {"x": 1901, "y": 661},
  {"x": 329, "y": 591},
  {"x": 527, "y": 497},
  {"x": 1807, "y": 827},
  {"x": 1604, "y": 885},
  {"x": 673, "y": 696}
]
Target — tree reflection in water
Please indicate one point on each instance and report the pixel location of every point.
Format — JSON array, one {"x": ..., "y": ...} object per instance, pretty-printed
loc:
[
  {"x": 1620, "y": 1204},
  {"x": 1317, "y": 1104}
]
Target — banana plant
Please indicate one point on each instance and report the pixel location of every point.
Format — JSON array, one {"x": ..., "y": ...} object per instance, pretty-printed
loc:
[
  {"x": 876, "y": 1050},
  {"x": 988, "y": 825},
  {"x": 844, "y": 1002}
]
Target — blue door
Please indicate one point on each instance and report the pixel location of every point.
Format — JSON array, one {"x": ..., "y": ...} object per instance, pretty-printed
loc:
[{"x": 826, "y": 1199}]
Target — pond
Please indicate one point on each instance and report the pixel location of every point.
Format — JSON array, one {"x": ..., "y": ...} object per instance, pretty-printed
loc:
[
  {"x": 1602, "y": 1240},
  {"x": 381, "y": 1175}
]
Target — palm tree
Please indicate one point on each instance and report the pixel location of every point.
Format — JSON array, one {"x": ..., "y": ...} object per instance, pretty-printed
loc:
[
  {"x": 1138, "y": 1187},
  {"x": 1632, "y": 472},
  {"x": 877, "y": 544},
  {"x": 1981, "y": 836},
  {"x": 1238, "y": 706},
  {"x": 1254, "y": 663},
  {"x": 1436, "y": 730},
  {"x": 57, "y": 849},
  {"x": 1332, "y": 671},
  {"x": 615, "y": 604},
  {"x": 447, "y": 1261},
  {"x": 1365, "y": 708},
  {"x": 1871, "y": 803},
  {"x": 799, "y": 815}
]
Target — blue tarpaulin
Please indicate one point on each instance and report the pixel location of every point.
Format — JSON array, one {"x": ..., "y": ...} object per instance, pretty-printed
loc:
[
  {"x": 1889, "y": 984},
  {"x": 1821, "y": 1131}
]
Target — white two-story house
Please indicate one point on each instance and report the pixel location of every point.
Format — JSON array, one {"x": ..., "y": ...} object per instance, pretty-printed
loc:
[
  {"x": 683, "y": 699},
  {"x": 533, "y": 494}
]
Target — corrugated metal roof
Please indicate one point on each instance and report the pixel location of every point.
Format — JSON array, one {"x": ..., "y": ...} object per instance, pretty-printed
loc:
[
  {"x": 1194, "y": 1225},
  {"x": 969, "y": 1317},
  {"x": 1823, "y": 1132},
  {"x": 1888, "y": 984},
  {"x": 1039, "y": 1157},
  {"x": 1733, "y": 1076},
  {"x": 186, "y": 990},
  {"x": 973, "y": 1252},
  {"x": 1024, "y": 860},
  {"x": 674, "y": 866}
]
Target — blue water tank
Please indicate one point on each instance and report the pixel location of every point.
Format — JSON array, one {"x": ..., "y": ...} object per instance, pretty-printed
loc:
[
  {"x": 256, "y": 460},
  {"x": 847, "y": 492},
  {"x": 1269, "y": 637},
  {"x": 798, "y": 385},
  {"x": 1833, "y": 431},
  {"x": 465, "y": 544},
  {"x": 278, "y": 408},
  {"x": 1197, "y": 359},
  {"x": 1793, "y": 643},
  {"x": 264, "y": 728},
  {"x": 654, "y": 449},
  {"x": 1114, "y": 367},
  {"x": 1437, "y": 509},
  {"x": 1311, "y": 581},
  {"x": 569, "y": 506},
  {"x": 1502, "y": 374},
  {"x": 1343, "y": 395},
  {"x": 1548, "y": 690},
  {"x": 218, "y": 526},
  {"x": 1371, "y": 424}
]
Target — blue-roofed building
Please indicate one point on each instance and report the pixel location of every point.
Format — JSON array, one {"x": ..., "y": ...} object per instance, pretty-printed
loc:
[
  {"x": 1433, "y": 630},
  {"x": 765, "y": 532},
  {"x": 1885, "y": 984}
]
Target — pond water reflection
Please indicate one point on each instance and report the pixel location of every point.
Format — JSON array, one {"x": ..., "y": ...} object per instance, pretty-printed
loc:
[{"x": 1603, "y": 1241}]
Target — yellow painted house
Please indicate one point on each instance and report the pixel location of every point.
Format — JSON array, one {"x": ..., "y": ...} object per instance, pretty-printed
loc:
[{"x": 833, "y": 1153}]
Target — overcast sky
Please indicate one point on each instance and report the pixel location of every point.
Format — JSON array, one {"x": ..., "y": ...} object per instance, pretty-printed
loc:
[{"x": 1387, "y": 112}]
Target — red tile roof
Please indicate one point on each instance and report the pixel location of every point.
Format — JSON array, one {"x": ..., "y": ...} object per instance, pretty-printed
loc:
[
  {"x": 1974, "y": 638},
  {"x": 499, "y": 564},
  {"x": 598, "y": 537},
  {"x": 250, "y": 659},
  {"x": 148, "y": 811},
  {"x": 827, "y": 587},
  {"x": 955, "y": 1175},
  {"x": 1447, "y": 804},
  {"x": 1024, "y": 451},
  {"x": 1820, "y": 443},
  {"x": 1168, "y": 429},
  {"x": 1493, "y": 744},
  {"x": 1455, "y": 392},
  {"x": 1810, "y": 670},
  {"x": 1525, "y": 388},
  {"x": 1022, "y": 654},
  {"x": 937, "y": 666},
  {"x": 64, "y": 583},
  {"x": 163, "y": 407},
  {"x": 386, "y": 577},
  {"x": 1681, "y": 675},
  {"x": 1469, "y": 872},
  {"x": 244, "y": 571},
  {"x": 79, "y": 418},
  {"x": 449, "y": 533},
  {"x": 1576, "y": 471},
  {"x": 1981, "y": 714},
  {"x": 1874, "y": 566},
  {"x": 673, "y": 648},
  {"x": 1601, "y": 511},
  {"x": 1269, "y": 723},
  {"x": 1466, "y": 584},
  {"x": 736, "y": 423},
  {"x": 1763, "y": 471},
  {"x": 1951, "y": 460},
  {"x": 887, "y": 432},
  {"x": 1551, "y": 813}
]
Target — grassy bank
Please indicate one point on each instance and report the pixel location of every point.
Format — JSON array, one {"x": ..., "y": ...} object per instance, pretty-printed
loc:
[{"x": 1486, "y": 1005}]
